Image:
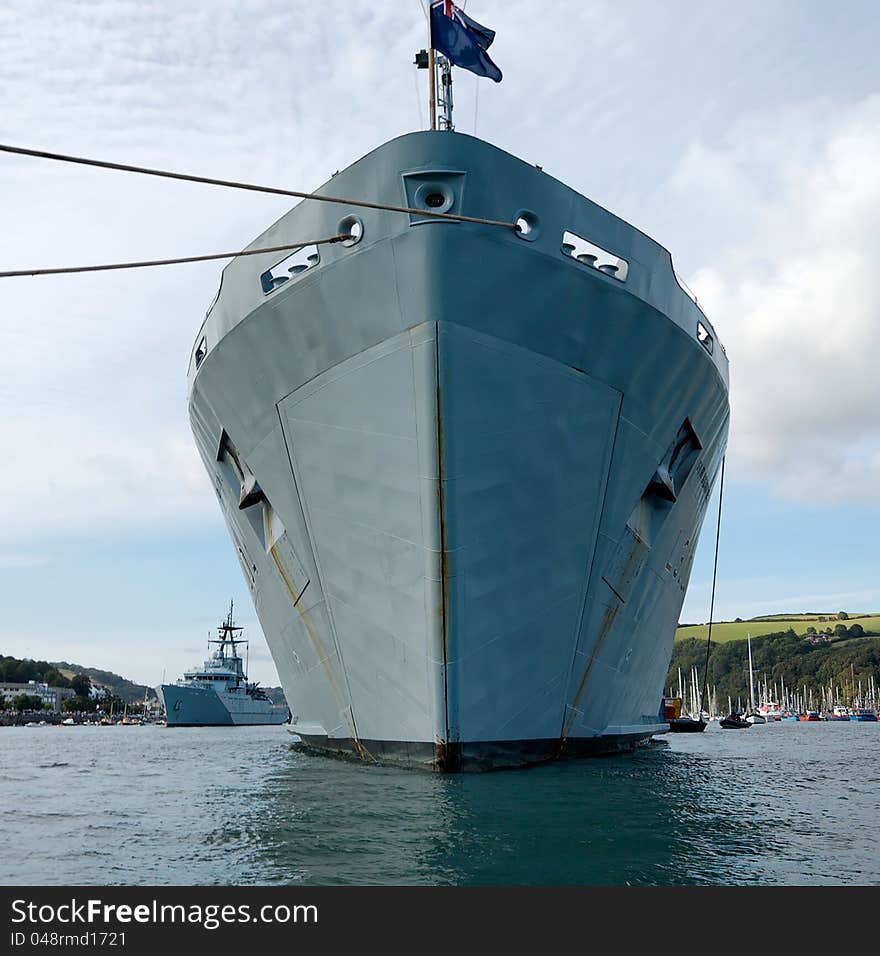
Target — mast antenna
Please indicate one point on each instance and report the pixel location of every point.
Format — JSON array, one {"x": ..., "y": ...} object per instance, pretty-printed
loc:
[
  {"x": 439, "y": 80},
  {"x": 445, "y": 96}
]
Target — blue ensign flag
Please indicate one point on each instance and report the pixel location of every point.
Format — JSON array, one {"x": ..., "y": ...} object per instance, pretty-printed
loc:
[{"x": 462, "y": 40}]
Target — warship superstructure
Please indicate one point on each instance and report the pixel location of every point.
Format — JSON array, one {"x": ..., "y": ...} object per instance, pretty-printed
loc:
[
  {"x": 219, "y": 693},
  {"x": 464, "y": 467}
]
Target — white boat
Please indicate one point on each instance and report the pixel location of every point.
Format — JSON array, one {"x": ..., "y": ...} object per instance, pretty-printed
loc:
[{"x": 753, "y": 717}]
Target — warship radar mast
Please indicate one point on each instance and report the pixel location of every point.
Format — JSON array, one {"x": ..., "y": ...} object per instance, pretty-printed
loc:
[{"x": 435, "y": 63}]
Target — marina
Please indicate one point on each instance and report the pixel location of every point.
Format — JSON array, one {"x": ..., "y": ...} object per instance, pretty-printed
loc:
[{"x": 853, "y": 697}]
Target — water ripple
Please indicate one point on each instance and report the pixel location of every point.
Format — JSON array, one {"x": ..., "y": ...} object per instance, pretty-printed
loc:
[{"x": 792, "y": 804}]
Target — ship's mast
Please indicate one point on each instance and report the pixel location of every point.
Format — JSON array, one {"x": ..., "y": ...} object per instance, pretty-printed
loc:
[
  {"x": 227, "y": 636},
  {"x": 432, "y": 86},
  {"x": 439, "y": 82},
  {"x": 444, "y": 100}
]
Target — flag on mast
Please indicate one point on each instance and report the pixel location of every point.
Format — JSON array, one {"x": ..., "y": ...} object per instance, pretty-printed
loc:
[{"x": 462, "y": 40}]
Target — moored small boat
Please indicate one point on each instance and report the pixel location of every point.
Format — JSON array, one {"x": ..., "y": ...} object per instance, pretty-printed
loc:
[
  {"x": 734, "y": 722},
  {"x": 687, "y": 725},
  {"x": 864, "y": 714}
]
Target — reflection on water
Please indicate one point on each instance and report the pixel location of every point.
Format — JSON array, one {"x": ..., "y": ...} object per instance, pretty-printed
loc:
[{"x": 792, "y": 804}]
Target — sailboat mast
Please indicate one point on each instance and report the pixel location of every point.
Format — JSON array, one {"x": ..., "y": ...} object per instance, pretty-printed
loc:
[{"x": 751, "y": 678}]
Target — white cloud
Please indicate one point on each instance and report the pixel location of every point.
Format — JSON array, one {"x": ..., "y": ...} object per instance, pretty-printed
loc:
[
  {"x": 94, "y": 426},
  {"x": 789, "y": 206},
  {"x": 92, "y": 367}
]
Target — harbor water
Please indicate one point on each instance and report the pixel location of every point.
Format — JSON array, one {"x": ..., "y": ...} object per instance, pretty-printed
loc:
[{"x": 790, "y": 803}]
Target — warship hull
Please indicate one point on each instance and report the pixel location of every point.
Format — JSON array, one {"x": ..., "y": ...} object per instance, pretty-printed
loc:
[
  {"x": 464, "y": 467},
  {"x": 204, "y": 707}
]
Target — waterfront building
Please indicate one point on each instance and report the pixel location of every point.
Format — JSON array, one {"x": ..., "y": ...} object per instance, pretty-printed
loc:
[{"x": 51, "y": 697}]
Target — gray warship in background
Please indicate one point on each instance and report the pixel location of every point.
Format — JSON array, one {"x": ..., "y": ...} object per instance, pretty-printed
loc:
[
  {"x": 464, "y": 467},
  {"x": 219, "y": 694}
]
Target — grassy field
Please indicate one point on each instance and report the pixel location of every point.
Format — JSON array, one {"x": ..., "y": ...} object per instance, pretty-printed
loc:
[{"x": 738, "y": 631}]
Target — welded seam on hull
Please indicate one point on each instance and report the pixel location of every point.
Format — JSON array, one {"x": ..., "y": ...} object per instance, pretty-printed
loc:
[
  {"x": 568, "y": 721},
  {"x": 350, "y": 709},
  {"x": 612, "y": 612},
  {"x": 313, "y": 640},
  {"x": 427, "y": 533},
  {"x": 613, "y": 286},
  {"x": 604, "y": 630},
  {"x": 444, "y": 757}
]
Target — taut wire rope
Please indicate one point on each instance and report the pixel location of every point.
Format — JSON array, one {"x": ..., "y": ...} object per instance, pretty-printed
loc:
[{"x": 705, "y": 686}]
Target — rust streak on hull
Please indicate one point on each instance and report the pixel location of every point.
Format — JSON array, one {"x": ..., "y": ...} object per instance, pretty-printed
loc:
[{"x": 319, "y": 650}]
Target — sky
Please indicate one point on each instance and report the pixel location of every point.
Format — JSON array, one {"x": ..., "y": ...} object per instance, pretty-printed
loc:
[{"x": 743, "y": 137}]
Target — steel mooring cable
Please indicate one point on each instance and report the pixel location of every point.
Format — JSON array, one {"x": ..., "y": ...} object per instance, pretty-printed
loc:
[
  {"x": 252, "y": 187},
  {"x": 144, "y": 264},
  {"x": 705, "y": 686}
]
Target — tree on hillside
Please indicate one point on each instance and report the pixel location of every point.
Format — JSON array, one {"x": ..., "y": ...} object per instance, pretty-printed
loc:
[
  {"x": 856, "y": 630},
  {"x": 780, "y": 656},
  {"x": 110, "y": 702},
  {"x": 81, "y": 684},
  {"x": 840, "y": 630},
  {"x": 842, "y": 616}
]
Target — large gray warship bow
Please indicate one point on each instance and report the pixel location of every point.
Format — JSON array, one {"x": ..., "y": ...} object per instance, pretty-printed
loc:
[{"x": 464, "y": 467}]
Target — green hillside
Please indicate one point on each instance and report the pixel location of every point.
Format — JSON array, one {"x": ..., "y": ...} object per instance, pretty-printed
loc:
[
  {"x": 758, "y": 626},
  {"x": 120, "y": 687},
  {"x": 781, "y": 657},
  {"x": 61, "y": 674}
]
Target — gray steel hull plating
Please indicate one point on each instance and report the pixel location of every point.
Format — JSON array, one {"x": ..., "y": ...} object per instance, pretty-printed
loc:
[
  {"x": 461, "y": 559},
  {"x": 187, "y": 706}
]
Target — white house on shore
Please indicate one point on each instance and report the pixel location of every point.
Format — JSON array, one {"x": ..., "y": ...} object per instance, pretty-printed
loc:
[{"x": 50, "y": 696}]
